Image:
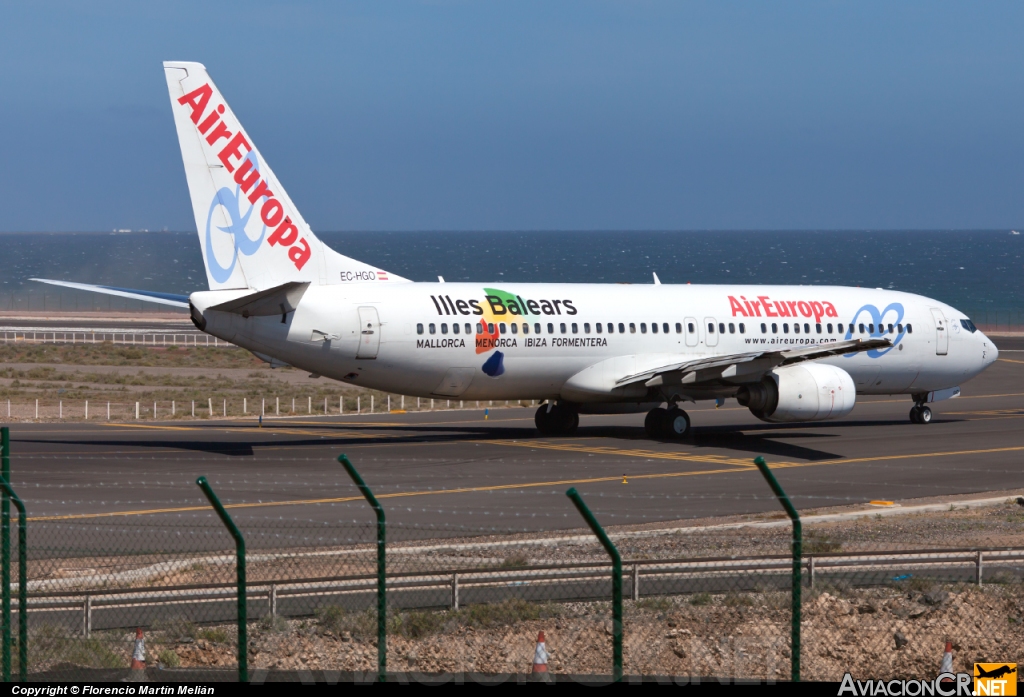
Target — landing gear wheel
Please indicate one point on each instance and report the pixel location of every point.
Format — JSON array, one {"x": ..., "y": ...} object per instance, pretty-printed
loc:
[
  {"x": 560, "y": 421},
  {"x": 654, "y": 424},
  {"x": 677, "y": 423},
  {"x": 921, "y": 415}
]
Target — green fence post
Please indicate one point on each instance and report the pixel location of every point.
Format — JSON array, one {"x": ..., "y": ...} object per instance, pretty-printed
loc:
[
  {"x": 243, "y": 635},
  {"x": 382, "y": 600},
  {"x": 5, "y": 552},
  {"x": 22, "y": 584},
  {"x": 613, "y": 552},
  {"x": 797, "y": 564}
]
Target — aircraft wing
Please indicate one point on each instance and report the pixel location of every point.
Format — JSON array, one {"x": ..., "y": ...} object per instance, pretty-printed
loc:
[
  {"x": 134, "y": 294},
  {"x": 740, "y": 364}
]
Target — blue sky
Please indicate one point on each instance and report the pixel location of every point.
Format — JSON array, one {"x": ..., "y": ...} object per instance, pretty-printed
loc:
[{"x": 529, "y": 115}]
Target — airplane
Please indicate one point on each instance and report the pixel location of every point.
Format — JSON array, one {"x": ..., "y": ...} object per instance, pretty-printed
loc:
[{"x": 787, "y": 353}]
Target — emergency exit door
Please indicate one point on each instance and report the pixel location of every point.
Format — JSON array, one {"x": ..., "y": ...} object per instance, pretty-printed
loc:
[{"x": 369, "y": 333}]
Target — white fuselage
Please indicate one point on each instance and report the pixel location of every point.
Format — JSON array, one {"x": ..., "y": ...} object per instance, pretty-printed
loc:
[{"x": 411, "y": 338}]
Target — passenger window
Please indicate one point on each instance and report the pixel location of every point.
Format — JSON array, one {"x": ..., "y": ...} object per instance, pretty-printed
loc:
[
  {"x": 597, "y": 326},
  {"x": 575, "y": 328},
  {"x": 654, "y": 327},
  {"x": 469, "y": 328},
  {"x": 490, "y": 328},
  {"x": 561, "y": 326},
  {"x": 807, "y": 328},
  {"x": 479, "y": 327},
  {"x": 839, "y": 328},
  {"x": 721, "y": 327},
  {"x": 829, "y": 327},
  {"x": 732, "y": 328},
  {"x": 689, "y": 327},
  {"x": 900, "y": 327},
  {"x": 455, "y": 328},
  {"x": 664, "y": 327},
  {"x": 433, "y": 328},
  {"x": 643, "y": 327},
  {"x": 632, "y": 328},
  {"x": 743, "y": 328},
  {"x": 785, "y": 327},
  {"x": 586, "y": 327},
  {"x": 444, "y": 328},
  {"x": 551, "y": 328},
  {"x": 775, "y": 328},
  {"x": 502, "y": 329},
  {"x": 536, "y": 328},
  {"x": 622, "y": 328},
  {"x": 764, "y": 328},
  {"x": 817, "y": 328},
  {"x": 419, "y": 329},
  {"x": 890, "y": 329},
  {"x": 679, "y": 328},
  {"x": 711, "y": 327},
  {"x": 796, "y": 328},
  {"x": 611, "y": 327},
  {"x": 910, "y": 329},
  {"x": 861, "y": 328},
  {"x": 526, "y": 327},
  {"x": 515, "y": 327}
]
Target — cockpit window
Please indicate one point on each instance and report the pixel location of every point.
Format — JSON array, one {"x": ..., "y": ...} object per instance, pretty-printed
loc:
[{"x": 968, "y": 325}]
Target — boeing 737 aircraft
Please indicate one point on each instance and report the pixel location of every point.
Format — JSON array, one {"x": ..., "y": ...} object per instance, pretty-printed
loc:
[{"x": 788, "y": 353}]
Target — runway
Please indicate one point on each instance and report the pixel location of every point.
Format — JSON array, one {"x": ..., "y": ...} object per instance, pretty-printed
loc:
[{"x": 456, "y": 469}]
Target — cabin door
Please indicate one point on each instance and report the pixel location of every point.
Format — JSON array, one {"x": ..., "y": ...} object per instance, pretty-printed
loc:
[{"x": 369, "y": 333}]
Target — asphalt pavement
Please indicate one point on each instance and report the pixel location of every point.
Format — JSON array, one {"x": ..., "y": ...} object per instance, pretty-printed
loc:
[{"x": 456, "y": 468}]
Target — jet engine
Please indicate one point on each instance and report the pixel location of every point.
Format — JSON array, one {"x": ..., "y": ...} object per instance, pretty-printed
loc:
[{"x": 804, "y": 392}]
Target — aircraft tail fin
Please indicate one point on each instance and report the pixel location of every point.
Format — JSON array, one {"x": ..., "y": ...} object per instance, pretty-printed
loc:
[{"x": 251, "y": 234}]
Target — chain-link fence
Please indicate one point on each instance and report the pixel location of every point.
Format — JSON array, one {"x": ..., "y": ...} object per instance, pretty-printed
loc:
[{"x": 697, "y": 603}]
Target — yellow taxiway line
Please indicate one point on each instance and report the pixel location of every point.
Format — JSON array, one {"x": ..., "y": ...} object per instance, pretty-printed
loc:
[{"x": 734, "y": 466}]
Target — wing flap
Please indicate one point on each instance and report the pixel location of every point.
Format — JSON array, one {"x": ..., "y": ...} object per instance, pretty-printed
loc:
[{"x": 734, "y": 364}]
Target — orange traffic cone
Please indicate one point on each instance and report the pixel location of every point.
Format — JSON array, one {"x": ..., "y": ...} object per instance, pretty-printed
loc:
[
  {"x": 947, "y": 661},
  {"x": 138, "y": 666},
  {"x": 540, "y": 658}
]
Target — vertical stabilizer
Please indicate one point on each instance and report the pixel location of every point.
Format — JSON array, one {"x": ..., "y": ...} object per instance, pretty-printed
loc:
[{"x": 251, "y": 233}]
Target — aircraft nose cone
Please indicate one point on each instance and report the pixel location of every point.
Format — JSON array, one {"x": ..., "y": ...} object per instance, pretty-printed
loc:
[{"x": 992, "y": 353}]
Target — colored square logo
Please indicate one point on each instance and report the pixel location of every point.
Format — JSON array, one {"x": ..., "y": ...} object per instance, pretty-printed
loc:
[{"x": 995, "y": 678}]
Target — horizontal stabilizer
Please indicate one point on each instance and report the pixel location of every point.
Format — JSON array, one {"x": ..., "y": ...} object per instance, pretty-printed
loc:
[
  {"x": 133, "y": 293},
  {"x": 278, "y": 300}
]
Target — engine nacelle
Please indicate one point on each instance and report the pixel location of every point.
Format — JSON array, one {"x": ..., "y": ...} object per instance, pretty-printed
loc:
[{"x": 804, "y": 392}]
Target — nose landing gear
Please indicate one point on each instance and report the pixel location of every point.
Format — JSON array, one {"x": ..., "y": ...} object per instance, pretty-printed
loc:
[
  {"x": 556, "y": 420},
  {"x": 667, "y": 423},
  {"x": 920, "y": 414}
]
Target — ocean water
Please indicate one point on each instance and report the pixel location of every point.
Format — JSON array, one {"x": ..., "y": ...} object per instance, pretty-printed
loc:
[{"x": 978, "y": 272}]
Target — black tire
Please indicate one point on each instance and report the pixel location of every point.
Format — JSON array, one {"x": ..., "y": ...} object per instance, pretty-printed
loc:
[
  {"x": 654, "y": 424},
  {"x": 545, "y": 424},
  {"x": 915, "y": 415},
  {"x": 677, "y": 423},
  {"x": 560, "y": 421},
  {"x": 924, "y": 416}
]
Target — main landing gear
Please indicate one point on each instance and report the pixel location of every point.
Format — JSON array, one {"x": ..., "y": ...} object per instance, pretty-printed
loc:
[
  {"x": 556, "y": 420},
  {"x": 920, "y": 414},
  {"x": 667, "y": 423}
]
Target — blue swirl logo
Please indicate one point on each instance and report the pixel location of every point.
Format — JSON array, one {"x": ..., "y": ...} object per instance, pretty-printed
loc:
[
  {"x": 231, "y": 202},
  {"x": 876, "y": 319}
]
